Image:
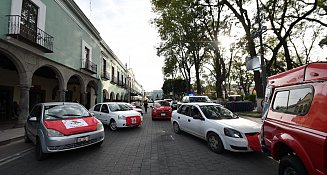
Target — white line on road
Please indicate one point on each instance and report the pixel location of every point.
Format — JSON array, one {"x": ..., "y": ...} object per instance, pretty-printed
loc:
[
  {"x": 14, "y": 156},
  {"x": 172, "y": 137}
]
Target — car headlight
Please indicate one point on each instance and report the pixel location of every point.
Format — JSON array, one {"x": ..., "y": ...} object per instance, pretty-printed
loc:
[
  {"x": 121, "y": 117},
  {"x": 232, "y": 133},
  {"x": 99, "y": 126},
  {"x": 54, "y": 133}
]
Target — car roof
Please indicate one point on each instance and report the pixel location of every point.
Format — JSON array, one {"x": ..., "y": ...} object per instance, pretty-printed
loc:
[
  {"x": 201, "y": 104},
  {"x": 57, "y": 103}
]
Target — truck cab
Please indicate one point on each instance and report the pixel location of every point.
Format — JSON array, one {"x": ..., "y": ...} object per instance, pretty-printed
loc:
[{"x": 294, "y": 127}]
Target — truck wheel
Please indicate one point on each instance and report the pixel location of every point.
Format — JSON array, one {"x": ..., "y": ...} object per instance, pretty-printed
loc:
[{"x": 290, "y": 165}]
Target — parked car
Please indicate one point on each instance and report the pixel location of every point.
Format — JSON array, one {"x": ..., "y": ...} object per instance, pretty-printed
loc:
[
  {"x": 116, "y": 115},
  {"x": 174, "y": 105},
  {"x": 222, "y": 129},
  {"x": 190, "y": 99},
  {"x": 295, "y": 125},
  {"x": 161, "y": 109},
  {"x": 61, "y": 126},
  {"x": 135, "y": 108}
]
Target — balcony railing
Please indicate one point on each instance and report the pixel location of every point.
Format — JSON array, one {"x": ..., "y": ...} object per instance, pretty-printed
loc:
[
  {"x": 105, "y": 75},
  {"x": 26, "y": 34},
  {"x": 89, "y": 66}
]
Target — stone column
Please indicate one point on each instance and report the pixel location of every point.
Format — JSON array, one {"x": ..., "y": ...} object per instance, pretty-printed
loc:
[
  {"x": 62, "y": 95},
  {"x": 83, "y": 98},
  {"x": 24, "y": 105}
]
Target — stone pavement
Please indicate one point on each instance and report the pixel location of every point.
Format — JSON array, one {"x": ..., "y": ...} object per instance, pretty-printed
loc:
[{"x": 10, "y": 135}]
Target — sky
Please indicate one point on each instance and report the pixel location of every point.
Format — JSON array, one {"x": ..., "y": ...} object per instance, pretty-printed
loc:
[{"x": 125, "y": 26}]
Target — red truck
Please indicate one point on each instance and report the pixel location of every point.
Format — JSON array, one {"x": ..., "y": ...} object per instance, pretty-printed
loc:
[{"x": 294, "y": 129}]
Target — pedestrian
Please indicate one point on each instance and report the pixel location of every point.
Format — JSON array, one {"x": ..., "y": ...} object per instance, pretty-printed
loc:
[
  {"x": 145, "y": 106},
  {"x": 16, "y": 110}
]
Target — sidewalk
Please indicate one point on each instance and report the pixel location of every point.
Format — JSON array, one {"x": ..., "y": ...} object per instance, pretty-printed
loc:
[{"x": 10, "y": 135}]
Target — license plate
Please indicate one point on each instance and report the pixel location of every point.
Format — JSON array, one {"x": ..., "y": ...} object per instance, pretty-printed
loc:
[
  {"x": 133, "y": 120},
  {"x": 163, "y": 114},
  {"x": 83, "y": 139}
]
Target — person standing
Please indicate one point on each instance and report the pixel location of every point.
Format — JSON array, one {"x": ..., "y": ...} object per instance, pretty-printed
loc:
[{"x": 145, "y": 104}]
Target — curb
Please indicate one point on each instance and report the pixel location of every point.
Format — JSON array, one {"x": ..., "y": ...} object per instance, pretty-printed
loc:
[{"x": 5, "y": 142}]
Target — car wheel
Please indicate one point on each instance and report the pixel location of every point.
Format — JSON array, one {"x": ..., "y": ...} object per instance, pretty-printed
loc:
[
  {"x": 215, "y": 143},
  {"x": 291, "y": 165},
  {"x": 177, "y": 130},
  {"x": 40, "y": 155},
  {"x": 26, "y": 139},
  {"x": 113, "y": 125}
]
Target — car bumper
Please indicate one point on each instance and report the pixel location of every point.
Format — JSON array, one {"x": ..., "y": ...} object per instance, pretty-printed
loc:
[
  {"x": 58, "y": 144},
  {"x": 161, "y": 115},
  {"x": 123, "y": 124},
  {"x": 237, "y": 144}
]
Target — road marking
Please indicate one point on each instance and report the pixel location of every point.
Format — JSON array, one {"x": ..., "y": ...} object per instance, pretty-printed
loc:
[
  {"x": 14, "y": 156},
  {"x": 172, "y": 137}
]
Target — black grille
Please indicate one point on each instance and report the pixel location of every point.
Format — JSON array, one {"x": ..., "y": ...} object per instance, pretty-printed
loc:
[{"x": 74, "y": 145}]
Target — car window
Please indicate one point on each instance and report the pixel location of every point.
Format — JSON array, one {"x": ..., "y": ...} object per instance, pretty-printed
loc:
[
  {"x": 216, "y": 112},
  {"x": 295, "y": 101},
  {"x": 97, "y": 107},
  {"x": 199, "y": 99},
  {"x": 185, "y": 110},
  {"x": 280, "y": 102},
  {"x": 104, "y": 108},
  {"x": 118, "y": 107},
  {"x": 195, "y": 112},
  {"x": 161, "y": 103},
  {"x": 36, "y": 112},
  {"x": 64, "y": 111}
]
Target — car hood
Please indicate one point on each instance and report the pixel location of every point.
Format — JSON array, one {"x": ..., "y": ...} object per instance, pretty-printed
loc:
[
  {"x": 73, "y": 125},
  {"x": 127, "y": 113},
  {"x": 240, "y": 124},
  {"x": 165, "y": 108}
]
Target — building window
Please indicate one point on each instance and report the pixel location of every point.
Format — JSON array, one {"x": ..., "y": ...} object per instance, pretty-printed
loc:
[
  {"x": 87, "y": 53},
  {"x": 29, "y": 19},
  {"x": 104, "y": 66}
]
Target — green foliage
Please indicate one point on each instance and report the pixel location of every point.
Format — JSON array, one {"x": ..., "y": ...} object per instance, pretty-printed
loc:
[
  {"x": 251, "y": 97},
  {"x": 178, "y": 87}
]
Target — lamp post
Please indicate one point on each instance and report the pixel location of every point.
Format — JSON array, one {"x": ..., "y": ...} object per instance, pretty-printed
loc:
[{"x": 129, "y": 89}]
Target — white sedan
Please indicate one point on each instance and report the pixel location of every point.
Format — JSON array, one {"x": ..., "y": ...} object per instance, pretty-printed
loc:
[
  {"x": 222, "y": 129},
  {"x": 116, "y": 115}
]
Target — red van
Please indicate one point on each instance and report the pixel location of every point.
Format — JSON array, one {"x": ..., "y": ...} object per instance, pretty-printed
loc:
[{"x": 295, "y": 122}]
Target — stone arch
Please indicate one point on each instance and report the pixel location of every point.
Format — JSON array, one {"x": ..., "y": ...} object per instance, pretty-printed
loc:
[
  {"x": 91, "y": 94},
  {"x": 105, "y": 95},
  {"x": 112, "y": 96},
  {"x": 21, "y": 69},
  {"x": 74, "y": 88}
]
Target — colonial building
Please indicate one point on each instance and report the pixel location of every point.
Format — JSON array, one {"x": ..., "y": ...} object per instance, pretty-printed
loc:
[{"x": 50, "y": 51}]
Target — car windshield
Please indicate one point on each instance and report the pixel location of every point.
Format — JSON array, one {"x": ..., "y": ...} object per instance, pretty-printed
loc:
[
  {"x": 161, "y": 103},
  {"x": 64, "y": 111},
  {"x": 199, "y": 99},
  {"x": 118, "y": 107},
  {"x": 216, "y": 112}
]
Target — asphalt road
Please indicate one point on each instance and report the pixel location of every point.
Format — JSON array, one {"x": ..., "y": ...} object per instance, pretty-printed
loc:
[{"x": 150, "y": 149}]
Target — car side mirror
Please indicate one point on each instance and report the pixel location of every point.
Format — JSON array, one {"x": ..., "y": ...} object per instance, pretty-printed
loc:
[{"x": 32, "y": 119}]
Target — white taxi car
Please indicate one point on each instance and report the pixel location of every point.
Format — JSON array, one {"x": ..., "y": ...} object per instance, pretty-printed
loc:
[
  {"x": 116, "y": 115},
  {"x": 222, "y": 129}
]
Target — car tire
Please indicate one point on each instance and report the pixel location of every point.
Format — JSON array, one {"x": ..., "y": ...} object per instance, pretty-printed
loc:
[
  {"x": 26, "y": 138},
  {"x": 291, "y": 164},
  {"x": 215, "y": 144},
  {"x": 113, "y": 125},
  {"x": 176, "y": 128},
  {"x": 40, "y": 155},
  {"x": 153, "y": 119}
]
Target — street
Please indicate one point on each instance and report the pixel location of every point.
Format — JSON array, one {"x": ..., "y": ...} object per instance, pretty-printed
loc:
[{"x": 152, "y": 148}]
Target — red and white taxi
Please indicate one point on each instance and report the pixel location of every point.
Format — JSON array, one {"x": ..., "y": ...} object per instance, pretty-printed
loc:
[
  {"x": 61, "y": 126},
  {"x": 116, "y": 115},
  {"x": 161, "y": 109}
]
